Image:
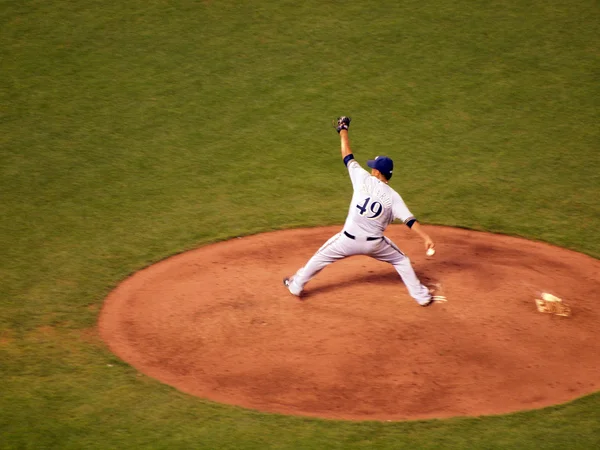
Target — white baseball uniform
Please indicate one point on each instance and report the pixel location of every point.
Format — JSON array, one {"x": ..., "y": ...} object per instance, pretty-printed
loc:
[{"x": 373, "y": 207}]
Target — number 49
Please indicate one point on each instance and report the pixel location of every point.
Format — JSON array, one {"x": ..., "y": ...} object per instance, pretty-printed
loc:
[{"x": 374, "y": 208}]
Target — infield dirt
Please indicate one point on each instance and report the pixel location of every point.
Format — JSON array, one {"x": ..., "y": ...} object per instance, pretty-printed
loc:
[{"x": 216, "y": 322}]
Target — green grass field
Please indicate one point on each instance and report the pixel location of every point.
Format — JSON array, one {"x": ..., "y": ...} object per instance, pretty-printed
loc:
[{"x": 130, "y": 131}]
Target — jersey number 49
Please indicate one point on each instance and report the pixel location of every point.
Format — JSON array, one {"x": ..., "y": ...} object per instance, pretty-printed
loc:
[{"x": 375, "y": 208}]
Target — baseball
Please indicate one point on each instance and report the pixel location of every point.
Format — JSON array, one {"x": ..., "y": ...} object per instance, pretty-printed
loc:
[{"x": 430, "y": 252}]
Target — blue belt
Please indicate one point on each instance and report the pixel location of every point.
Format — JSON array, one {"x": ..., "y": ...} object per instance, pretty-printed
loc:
[{"x": 370, "y": 238}]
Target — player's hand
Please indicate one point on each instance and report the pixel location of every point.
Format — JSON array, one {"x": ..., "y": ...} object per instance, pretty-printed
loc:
[
  {"x": 342, "y": 123},
  {"x": 429, "y": 244}
]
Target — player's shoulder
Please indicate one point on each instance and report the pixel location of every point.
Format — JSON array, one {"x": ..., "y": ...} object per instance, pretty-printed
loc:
[
  {"x": 396, "y": 197},
  {"x": 353, "y": 164},
  {"x": 356, "y": 171},
  {"x": 393, "y": 193}
]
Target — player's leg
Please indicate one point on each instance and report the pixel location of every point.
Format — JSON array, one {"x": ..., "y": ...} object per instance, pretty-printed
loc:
[
  {"x": 387, "y": 251},
  {"x": 333, "y": 250}
]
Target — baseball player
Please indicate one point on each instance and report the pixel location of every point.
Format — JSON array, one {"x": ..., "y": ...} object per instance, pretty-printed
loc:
[{"x": 373, "y": 207}]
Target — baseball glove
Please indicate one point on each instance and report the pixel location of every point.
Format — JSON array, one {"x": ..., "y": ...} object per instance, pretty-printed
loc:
[{"x": 341, "y": 123}]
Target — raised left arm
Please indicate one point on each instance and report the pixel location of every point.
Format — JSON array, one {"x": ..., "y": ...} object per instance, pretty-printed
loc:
[{"x": 342, "y": 125}]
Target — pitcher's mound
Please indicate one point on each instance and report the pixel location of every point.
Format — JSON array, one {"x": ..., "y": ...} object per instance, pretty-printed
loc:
[{"x": 217, "y": 322}]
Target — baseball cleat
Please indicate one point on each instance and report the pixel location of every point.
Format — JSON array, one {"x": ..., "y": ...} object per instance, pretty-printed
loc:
[
  {"x": 287, "y": 283},
  {"x": 435, "y": 298},
  {"x": 434, "y": 294}
]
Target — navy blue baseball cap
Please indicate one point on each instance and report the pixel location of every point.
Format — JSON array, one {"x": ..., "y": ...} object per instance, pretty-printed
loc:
[{"x": 384, "y": 164}]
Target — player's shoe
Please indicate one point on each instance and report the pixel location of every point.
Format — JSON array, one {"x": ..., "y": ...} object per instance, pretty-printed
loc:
[
  {"x": 434, "y": 296},
  {"x": 287, "y": 283},
  {"x": 433, "y": 299},
  {"x": 428, "y": 302}
]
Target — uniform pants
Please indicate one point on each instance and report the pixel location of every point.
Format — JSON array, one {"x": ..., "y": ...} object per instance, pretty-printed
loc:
[{"x": 340, "y": 246}]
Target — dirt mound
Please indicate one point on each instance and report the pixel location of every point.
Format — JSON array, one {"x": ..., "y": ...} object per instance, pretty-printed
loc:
[{"x": 216, "y": 322}]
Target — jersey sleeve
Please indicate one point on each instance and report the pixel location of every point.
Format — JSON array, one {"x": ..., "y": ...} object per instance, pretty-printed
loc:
[
  {"x": 400, "y": 210},
  {"x": 357, "y": 173}
]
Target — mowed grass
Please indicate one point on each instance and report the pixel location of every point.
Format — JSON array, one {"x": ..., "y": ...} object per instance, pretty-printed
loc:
[{"x": 130, "y": 131}]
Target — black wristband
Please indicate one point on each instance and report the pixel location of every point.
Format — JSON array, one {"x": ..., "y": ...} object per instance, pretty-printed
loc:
[{"x": 348, "y": 158}]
